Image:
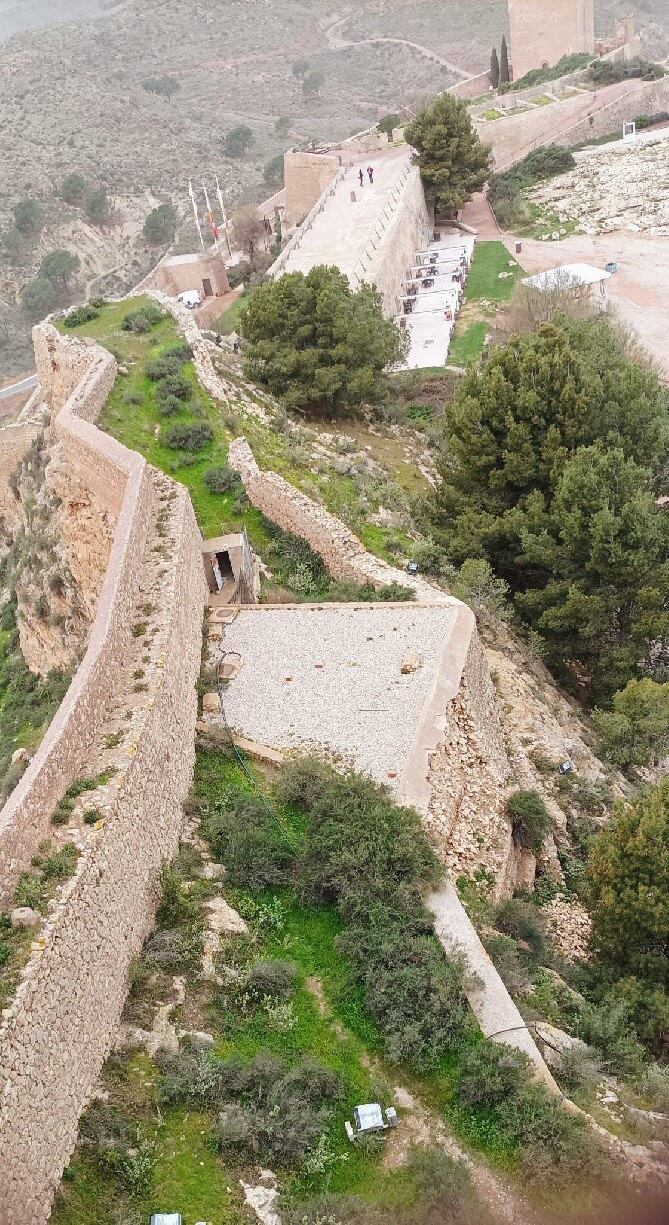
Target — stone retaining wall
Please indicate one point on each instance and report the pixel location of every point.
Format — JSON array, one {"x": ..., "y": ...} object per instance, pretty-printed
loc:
[
  {"x": 57, "y": 1032},
  {"x": 345, "y": 556},
  {"x": 569, "y": 122},
  {"x": 15, "y": 440},
  {"x": 408, "y": 231}
]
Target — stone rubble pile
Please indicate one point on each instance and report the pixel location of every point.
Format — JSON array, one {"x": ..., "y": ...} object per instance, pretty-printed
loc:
[
  {"x": 626, "y": 188},
  {"x": 569, "y": 926}
]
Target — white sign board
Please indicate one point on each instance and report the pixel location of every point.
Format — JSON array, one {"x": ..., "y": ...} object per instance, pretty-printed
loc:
[{"x": 629, "y": 131}]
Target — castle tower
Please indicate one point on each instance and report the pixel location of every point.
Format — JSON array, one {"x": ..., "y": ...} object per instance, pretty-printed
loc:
[{"x": 542, "y": 31}]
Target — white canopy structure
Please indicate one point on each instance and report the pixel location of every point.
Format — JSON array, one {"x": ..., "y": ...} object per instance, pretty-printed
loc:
[{"x": 567, "y": 275}]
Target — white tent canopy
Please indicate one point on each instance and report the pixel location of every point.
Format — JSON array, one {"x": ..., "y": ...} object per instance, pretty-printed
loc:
[{"x": 566, "y": 276}]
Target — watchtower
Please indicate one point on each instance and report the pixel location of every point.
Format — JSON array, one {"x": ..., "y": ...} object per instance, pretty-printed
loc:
[{"x": 542, "y": 31}]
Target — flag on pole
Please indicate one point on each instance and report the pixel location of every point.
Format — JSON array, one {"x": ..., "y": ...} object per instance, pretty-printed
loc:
[
  {"x": 224, "y": 215},
  {"x": 195, "y": 213},
  {"x": 210, "y": 215}
]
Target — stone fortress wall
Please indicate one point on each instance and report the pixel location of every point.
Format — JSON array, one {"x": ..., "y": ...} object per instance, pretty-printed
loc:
[
  {"x": 583, "y": 117},
  {"x": 55, "y": 1035},
  {"x": 542, "y": 31}
]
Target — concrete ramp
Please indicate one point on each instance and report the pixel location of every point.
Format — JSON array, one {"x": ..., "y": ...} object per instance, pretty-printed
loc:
[{"x": 495, "y": 1011}]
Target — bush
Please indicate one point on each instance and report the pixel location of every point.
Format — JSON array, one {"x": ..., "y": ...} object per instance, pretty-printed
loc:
[
  {"x": 193, "y": 436},
  {"x": 169, "y": 363},
  {"x": 97, "y": 206},
  {"x": 522, "y": 920},
  {"x": 169, "y": 406},
  {"x": 176, "y": 907},
  {"x": 72, "y": 188},
  {"x": 142, "y": 319},
  {"x": 543, "y": 163},
  {"x": 238, "y": 141},
  {"x": 239, "y": 274},
  {"x": 552, "y": 1144},
  {"x": 245, "y": 836},
  {"x": 608, "y": 72},
  {"x": 221, "y": 479},
  {"x": 160, "y": 225},
  {"x": 174, "y": 385},
  {"x": 529, "y": 818},
  {"x": 607, "y": 1028},
  {"x": 273, "y": 979}
]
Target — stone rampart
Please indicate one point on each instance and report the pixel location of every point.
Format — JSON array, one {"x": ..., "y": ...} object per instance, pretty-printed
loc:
[
  {"x": 585, "y": 116},
  {"x": 407, "y": 231},
  {"x": 458, "y": 770},
  {"x": 59, "y": 1028}
]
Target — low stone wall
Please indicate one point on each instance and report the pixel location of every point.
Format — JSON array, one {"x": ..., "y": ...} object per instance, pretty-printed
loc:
[
  {"x": 345, "y": 557},
  {"x": 59, "y": 1028}
]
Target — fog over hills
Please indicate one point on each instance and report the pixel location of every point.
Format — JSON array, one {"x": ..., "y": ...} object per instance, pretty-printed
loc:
[{"x": 17, "y": 15}]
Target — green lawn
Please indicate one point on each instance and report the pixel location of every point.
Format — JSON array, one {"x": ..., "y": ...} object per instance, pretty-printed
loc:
[
  {"x": 492, "y": 277},
  {"x": 467, "y": 346}
]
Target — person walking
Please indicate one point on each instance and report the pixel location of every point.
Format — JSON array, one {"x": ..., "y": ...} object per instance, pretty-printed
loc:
[
  {"x": 370, "y": 172},
  {"x": 361, "y": 177}
]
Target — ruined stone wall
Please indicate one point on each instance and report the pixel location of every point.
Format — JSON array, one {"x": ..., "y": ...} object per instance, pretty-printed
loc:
[
  {"x": 306, "y": 177},
  {"x": 569, "y": 122},
  {"x": 345, "y": 557},
  {"x": 542, "y": 31},
  {"x": 408, "y": 230},
  {"x": 14, "y": 442},
  {"x": 57, "y": 1032}
]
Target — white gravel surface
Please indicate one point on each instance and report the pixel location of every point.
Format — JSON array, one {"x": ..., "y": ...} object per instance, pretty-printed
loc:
[{"x": 330, "y": 678}]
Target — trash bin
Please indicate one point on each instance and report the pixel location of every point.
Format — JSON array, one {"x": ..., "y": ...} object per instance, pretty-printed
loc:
[
  {"x": 519, "y": 247},
  {"x": 612, "y": 266}
]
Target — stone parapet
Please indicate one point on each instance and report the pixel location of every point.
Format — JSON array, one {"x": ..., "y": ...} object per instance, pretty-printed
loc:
[{"x": 60, "y": 1026}]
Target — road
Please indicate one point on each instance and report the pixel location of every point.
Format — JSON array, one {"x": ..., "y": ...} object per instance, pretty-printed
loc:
[{"x": 17, "y": 389}]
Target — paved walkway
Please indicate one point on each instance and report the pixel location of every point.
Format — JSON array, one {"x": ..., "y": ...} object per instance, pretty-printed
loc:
[{"x": 345, "y": 227}]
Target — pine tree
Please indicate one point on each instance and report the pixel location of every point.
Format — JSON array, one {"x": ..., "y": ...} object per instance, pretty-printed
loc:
[
  {"x": 453, "y": 161},
  {"x": 494, "y": 68},
  {"x": 504, "y": 64}
]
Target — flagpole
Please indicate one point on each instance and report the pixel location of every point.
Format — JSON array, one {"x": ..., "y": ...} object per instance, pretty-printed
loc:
[
  {"x": 195, "y": 212},
  {"x": 212, "y": 220},
  {"x": 224, "y": 216}
]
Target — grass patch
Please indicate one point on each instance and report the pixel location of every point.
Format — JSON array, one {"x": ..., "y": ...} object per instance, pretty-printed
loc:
[
  {"x": 492, "y": 277},
  {"x": 229, "y": 321},
  {"x": 467, "y": 347}
]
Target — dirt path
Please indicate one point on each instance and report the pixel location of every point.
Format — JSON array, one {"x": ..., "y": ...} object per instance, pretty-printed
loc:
[
  {"x": 422, "y": 1126},
  {"x": 336, "y": 42}
]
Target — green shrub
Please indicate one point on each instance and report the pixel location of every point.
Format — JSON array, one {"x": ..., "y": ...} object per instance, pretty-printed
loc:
[
  {"x": 522, "y": 920},
  {"x": 551, "y": 1143},
  {"x": 245, "y": 836},
  {"x": 529, "y": 818},
  {"x": 29, "y": 891},
  {"x": 80, "y": 314},
  {"x": 221, "y": 479},
  {"x": 608, "y": 72},
  {"x": 174, "y": 385},
  {"x": 177, "y": 907},
  {"x": 193, "y": 436},
  {"x": 168, "y": 363},
  {"x": 169, "y": 406},
  {"x": 607, "y": 1028},
  {"x": 142, "y": 319},
  {"x": 273, "y": 979}
]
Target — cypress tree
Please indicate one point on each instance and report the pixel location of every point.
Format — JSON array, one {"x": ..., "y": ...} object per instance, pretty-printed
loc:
[
  {"x": 494, "y": 68},
  {"x": 504, "y": 64}
]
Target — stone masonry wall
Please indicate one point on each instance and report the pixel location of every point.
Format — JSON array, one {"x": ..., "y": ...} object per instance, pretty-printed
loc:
[
  {"x": 345, "y": 557},
  {"x": 568, "y": 121},
  {"x": 542, "y": 31},
  {"x": 409, "y": 229},
  {"x": 14, "y": 442},
  {"x": 306, "y": 177},
  {"x": 59, "y": 1028}
]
